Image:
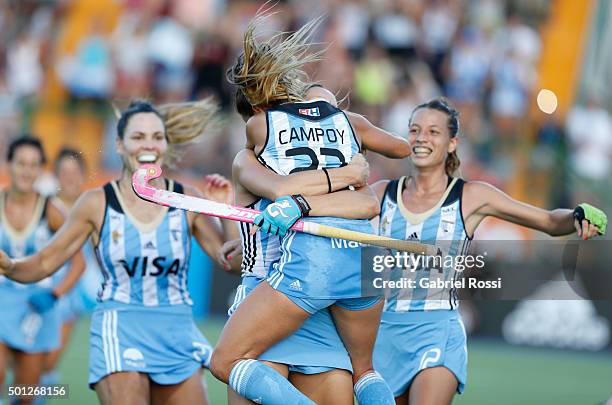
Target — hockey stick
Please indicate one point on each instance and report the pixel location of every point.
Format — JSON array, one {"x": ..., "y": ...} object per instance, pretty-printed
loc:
[{"x": 147, "y": 172}]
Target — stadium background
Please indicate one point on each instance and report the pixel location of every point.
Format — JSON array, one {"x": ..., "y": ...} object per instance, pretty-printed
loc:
[{"x": 63, "y": 61}]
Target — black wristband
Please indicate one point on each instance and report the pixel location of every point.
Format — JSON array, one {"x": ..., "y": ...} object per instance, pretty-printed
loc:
[
  {"x": 329, "y": 186},
  {"x": 579, "y": 214},
  {"x": 302, "y": 203}
]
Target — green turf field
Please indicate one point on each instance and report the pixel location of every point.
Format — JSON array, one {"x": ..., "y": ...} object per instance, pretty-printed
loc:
[{"x": 498, "y": 374}]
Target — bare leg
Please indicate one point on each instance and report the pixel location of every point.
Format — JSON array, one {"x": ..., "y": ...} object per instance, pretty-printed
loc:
[
  {"x": 402, "y": 399},
  {"x": 331, "y": 388},
  {"x": 255, "y": 327},
  {"x": 129, "y": 388},
  {"x": 4, "y": 365},
  {"x": 28, "y": 369},
  {"x": 358, "y": 331},
  {"x": 191, "y": 391},
  {"x": 52, "y": 358},
  {"x": 433, "y": 386}
]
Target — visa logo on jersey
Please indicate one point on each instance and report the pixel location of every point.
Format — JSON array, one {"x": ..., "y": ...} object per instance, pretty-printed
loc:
[
  {"x": 160, "y": 266},
  {"x": 313, "y": 112}
]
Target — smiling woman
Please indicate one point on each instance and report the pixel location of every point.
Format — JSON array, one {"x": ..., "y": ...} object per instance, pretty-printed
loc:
[
  {"x": 421, "y": 345},
  {"x": 143, "y": 250},
  {"x": 31, "y": 328}
]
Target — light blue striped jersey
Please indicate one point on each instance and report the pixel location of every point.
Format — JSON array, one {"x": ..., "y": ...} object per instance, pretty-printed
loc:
[
  {"x": 26, "y": 242},
  {"x": 143, "y": 264},
  {"x": 307, "y": 136},
  {"x": 311, "y": 136},
  {"x": 259, "y": 251},
  {"x": 442, "y": 224}
]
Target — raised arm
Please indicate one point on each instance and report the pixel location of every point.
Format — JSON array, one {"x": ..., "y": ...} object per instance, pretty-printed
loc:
[
  {"x": 256, "y": 132},
  {"x": 263, "y": 182},
  {"x": 378, "y": 140},
  {"x": 278, "y": 217},
  {"x": 481, "y": 200},
  {"x": 56, "y": 218},
  {"x": 66, "y": 242}
]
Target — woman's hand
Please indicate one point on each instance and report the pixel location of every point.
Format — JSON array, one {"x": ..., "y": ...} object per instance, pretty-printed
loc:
[
  {"x": 218, "y": 188},
  {"x": 589, "y": 221}
]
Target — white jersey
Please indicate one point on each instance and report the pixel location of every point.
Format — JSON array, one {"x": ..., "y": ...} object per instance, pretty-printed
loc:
[
  {"x": 307, "y": 136},
  {"x": 143, "y": 264},
  {"x": 442, "y": 223},
  {"x": 33, "y": 238}
]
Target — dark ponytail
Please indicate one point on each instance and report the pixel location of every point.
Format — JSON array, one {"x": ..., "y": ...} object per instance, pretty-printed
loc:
[{"x": 452, "y": 163}]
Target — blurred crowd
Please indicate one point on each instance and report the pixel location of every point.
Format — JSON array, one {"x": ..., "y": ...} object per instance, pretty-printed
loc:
[{"x": 383, "y": 58}]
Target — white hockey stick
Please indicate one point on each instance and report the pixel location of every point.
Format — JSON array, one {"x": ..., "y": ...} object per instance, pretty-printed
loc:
[{"x": 140, "y": 182}]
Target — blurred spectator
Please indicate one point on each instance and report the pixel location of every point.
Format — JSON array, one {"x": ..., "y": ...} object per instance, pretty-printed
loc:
[
  {"x": 519, "y": 39},
  {"x": 129, "y": 44},
  {"x": 24, "y": 73},
  {"x": 512, "y": 81},
  {"x": 352, "y": 21},
  {"x": 88, "y": 74},
  {"x": 197, "y": 14},
  {"x": 398, "y": 114},
  {"x": 396, "y": 31},
  {"x": 374, "y": 76},
  {"x": 439, "y": 25},
  {"x": 211, "y": 53},
  {"x": 336, "y": 69},
  {"x": 517, "y": 50},
  {"x": 485, "y": 14},
  {"x": 170, "y": 47},
  {"x": 589, "y": 130},
  {"x": 468, "y": 67}
]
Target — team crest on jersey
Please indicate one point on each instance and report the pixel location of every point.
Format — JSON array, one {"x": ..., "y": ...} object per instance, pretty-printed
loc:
[
  {"x": 447, "y": 225},
  {"x": 312, "y": 112},
  {"x": 385, "y": 225}
]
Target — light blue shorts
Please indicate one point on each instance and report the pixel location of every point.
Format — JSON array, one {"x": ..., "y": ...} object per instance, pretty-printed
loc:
[
  {"x": 24, "y": 329},
  {"x": 313, "y": 349},
  {"x": 318, "y": 267},
  {"x": 409, "y": 342},
  {"x": 162, "y": 342}
]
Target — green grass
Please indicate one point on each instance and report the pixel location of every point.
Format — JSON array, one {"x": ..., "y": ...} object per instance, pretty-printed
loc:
[{"x": 498, "y": 374}]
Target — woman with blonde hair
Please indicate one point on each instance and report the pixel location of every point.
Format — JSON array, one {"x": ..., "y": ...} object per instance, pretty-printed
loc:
[
  {"x": 144, "y": 345},
  {"x": 291, "y": 134}
]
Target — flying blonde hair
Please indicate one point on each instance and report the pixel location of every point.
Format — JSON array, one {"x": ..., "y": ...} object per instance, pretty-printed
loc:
[
  {"x": 186, "y": 123},
  {"x": 271, "y": 72}
]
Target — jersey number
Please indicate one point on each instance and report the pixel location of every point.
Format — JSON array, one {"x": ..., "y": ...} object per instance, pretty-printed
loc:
[{"x": 314, "y": 160}]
